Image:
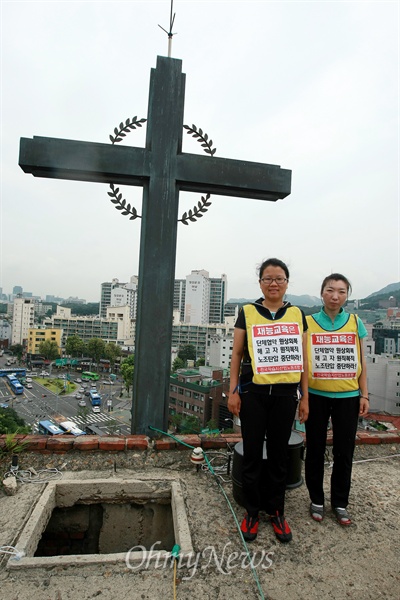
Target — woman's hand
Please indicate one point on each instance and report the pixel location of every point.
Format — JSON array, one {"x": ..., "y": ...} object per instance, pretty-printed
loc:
[
  {"x": 234, "y": 403},
  {"x": 364, "y": 406},
  {"x": 303, "y": 409}
]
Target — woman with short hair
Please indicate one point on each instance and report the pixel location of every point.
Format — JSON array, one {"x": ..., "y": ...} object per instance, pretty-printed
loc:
[{"x": 338, "y": 391}]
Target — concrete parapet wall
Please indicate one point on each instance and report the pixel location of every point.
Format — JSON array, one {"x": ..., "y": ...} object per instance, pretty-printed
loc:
[{"x": 64, "y": 444}]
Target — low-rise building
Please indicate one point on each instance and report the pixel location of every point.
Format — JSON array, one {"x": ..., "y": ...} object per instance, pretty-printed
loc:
[
  {"x": 38, "y": 335},
  {"x": 202, "y": 393}
]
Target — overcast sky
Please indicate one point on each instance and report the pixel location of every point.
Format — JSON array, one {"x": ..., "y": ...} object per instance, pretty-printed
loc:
[{"x": 310, "y": 86}]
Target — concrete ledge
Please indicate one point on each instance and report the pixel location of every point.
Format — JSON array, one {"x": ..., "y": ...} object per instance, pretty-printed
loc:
[
  {"x": 137, "y": 442},
  {"x": 107, "y": 442},
  {"x": 86, "y": 442},
  {"x": 60, "y": 443},
  {"x": 43, "y": 444}
]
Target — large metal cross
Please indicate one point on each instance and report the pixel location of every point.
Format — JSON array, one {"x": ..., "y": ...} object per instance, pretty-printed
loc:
[{"x": 163, "y": 171}]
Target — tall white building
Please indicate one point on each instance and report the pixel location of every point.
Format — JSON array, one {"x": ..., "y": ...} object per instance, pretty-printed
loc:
[
  {"x": 23, "y": 319},
  {"x": 115, "y": 293},
  {"x": 197, "y": 298}
]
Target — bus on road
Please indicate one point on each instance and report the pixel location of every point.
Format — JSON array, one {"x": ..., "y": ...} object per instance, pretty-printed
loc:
[
  {"x": 15, "y": 385},
  {"x": 70, "y": 427},
  {"x": 49, "y": 428},
  {"x": 18, "y": 372},
  {"x": 89, "y": 376}
]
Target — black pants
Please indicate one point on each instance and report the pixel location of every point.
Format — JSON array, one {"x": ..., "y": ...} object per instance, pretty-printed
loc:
[
  {"x": 271, "y": 417},
  {"x": 344, "y": 415}
]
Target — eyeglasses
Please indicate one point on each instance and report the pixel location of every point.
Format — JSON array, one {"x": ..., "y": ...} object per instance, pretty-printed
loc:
[{"x": 269, "y": 280}]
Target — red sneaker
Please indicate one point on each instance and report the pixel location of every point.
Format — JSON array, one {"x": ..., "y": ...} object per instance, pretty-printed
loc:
[
  {"x": 281, "y": 528},
  {"x": 249, "y": 527}
]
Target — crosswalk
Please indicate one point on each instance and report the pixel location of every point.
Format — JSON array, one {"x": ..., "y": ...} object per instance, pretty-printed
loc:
[{"x": 91, "y": 418}]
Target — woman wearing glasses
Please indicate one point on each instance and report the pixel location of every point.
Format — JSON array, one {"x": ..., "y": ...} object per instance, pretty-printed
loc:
[
  {"x": 338, "y": 390},
  {"x": 268, "y": 363}
]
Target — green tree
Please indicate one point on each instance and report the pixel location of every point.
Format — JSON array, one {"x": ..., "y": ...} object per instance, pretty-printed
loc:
[
  {"x": 190, "y": 424},
  {"x": 17, "y": 350},
  {"x": 75, "y": 346},
  {"x": 11, "y": 422},
  {"x": 112, "y": 352},
  {"x": 129, "y": 360},
  {"x": 177, "y": 364},
  {"x": 91, "y": 308},
  {"x": 127, "y": 374},
  {"x": 49, "y": 349},
  {"x": 96, "y": 349},
  {"x": 187, "y": 352},
  {"x": 200, "y": 362},
  {"x": 212, "y": 424}
]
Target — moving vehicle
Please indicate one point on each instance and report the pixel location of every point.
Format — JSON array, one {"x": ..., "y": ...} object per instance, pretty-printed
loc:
[
  {"x": 89, "y": 376},
  {"x": 28, "y": 386},
  {"x": 82, "y": 403},
  {"x": 95, "y": 400},
  {"x": 78, "y": 396},
  {"x": 49, "y": 428},
  {"x": 44, "y": 374},
  {"x": 70, "y": 427},
  {"x": 15, "y": 385},
  {"x": 18, "y": 372}
]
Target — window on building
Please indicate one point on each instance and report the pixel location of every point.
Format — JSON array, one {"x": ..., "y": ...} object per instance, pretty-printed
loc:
[
  {"x": 186, "y": 405},
  {"x": 180, "y": 403},
  {"x": 172, "y": 400},
  {"x": 188, "y": 393},
  {"x": 180, "y": 391}
]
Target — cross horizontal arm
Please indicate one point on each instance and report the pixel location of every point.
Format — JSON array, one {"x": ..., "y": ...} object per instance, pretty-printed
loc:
[
  {"x": 227, "y": 177},
  {"x": 83, "y": 161}
]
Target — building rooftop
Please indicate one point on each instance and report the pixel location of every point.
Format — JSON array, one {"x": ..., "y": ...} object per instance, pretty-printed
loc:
[{"x": 323, "y": 560}]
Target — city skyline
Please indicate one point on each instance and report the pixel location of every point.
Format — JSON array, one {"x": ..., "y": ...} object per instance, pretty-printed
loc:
[{"x": 309, "y": 86}]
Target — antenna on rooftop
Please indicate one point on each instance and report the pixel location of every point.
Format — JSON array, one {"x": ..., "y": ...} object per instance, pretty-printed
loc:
[{"x": 169, "y": 33}]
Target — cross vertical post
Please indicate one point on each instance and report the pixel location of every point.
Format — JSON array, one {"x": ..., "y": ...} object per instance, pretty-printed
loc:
[{"x": 158, "y": 248}]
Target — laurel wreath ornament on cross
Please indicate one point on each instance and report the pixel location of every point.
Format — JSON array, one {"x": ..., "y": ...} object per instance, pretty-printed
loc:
[{"x": 120, "y": 202}]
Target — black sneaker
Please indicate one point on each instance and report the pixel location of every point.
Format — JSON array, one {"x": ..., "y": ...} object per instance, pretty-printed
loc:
[
  {"x": 281, "y": 528},
  {"x": 249, "y": 527}
]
